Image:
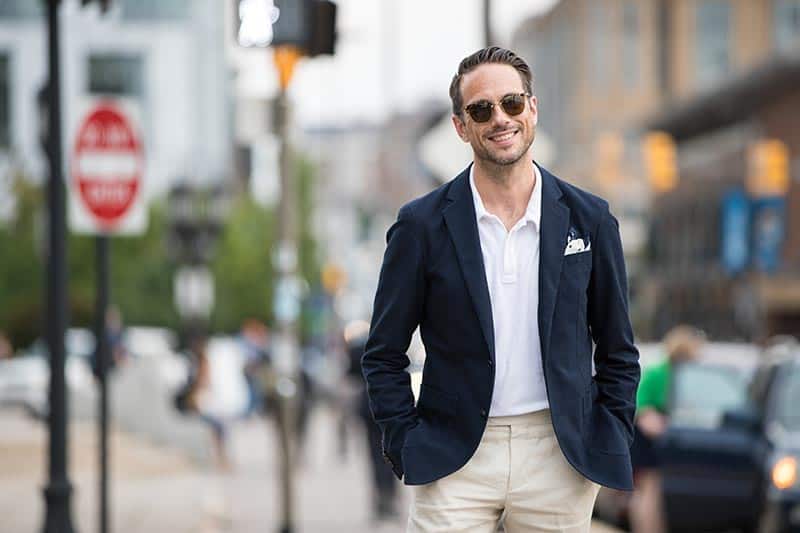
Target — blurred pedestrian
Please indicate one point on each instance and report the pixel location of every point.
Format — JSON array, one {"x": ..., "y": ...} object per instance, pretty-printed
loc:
[
  {"x": 115, "y": 336},
  {"x": 198, "y": 399},
  {"x": 384, "y": 485},
  {"x": 681, "y": 344},
  {"x": 511, "y": 274},
  {"x": 6, "y": 350},
  {"x": 115, "y": 330},
  {"x": 255, "y": 340}
]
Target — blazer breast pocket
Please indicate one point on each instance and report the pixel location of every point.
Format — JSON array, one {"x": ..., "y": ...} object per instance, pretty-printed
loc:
[
  {"x": 582, "y": 259},
  {"x": 576, "y": 271}
]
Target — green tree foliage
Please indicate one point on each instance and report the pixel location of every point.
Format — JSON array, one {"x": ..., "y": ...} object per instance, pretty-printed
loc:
[
  {"x": 22, "y": 265},
  {"x": 242, "y": 266},
  {"x": 308, "y": 255},
  {"x": 142, "y": 273},
  {"x": 243, "y": 270}
]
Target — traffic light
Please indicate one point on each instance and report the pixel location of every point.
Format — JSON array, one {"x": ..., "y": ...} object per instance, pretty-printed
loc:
[
  {"x": 323, "y": 28},
  {"x": 310, "y": 25},
  {"x": 660, "y": 158},
  {"x": 768, "y": 168}
]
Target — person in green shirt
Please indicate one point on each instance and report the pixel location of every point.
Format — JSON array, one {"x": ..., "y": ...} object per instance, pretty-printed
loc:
[{"x": 681, "y": 344}]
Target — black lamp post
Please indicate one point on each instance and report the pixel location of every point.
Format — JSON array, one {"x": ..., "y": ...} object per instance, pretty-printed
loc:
[{"x": 58, "y": 491}]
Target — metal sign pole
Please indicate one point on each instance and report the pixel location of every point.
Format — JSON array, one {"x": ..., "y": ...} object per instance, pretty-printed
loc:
[{"x": 102, "y": 358}]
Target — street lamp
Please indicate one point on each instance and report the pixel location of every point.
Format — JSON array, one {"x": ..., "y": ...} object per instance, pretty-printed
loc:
[{"x": 196, "y": 218}]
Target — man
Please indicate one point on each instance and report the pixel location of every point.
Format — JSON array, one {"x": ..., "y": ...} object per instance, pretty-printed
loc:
[
  {"x": 384, "y": 485},
  {"x": 510, "y": 274}
]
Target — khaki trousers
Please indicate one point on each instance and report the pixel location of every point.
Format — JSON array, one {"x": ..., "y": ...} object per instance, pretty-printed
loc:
[{"x": 518, "y": 475}]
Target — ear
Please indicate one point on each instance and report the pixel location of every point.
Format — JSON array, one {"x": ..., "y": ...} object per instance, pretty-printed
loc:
[
  {"x": 535, "y": 110},
  {"x": 461, "y": 128}
]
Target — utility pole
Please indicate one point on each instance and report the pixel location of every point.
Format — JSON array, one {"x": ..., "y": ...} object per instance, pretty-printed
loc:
[
  {"x": 300, "y": 28},
  {"x": 287, "y": 297},
  {"x": 58, "y": 491}
]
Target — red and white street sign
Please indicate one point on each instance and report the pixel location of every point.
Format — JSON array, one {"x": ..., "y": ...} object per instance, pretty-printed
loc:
[{"x": 107, "y": 168}]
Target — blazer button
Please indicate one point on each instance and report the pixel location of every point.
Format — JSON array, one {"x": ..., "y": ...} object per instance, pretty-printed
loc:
[
  {"x": 483, "y": 413},
  {"x": 490, "y": 362}
]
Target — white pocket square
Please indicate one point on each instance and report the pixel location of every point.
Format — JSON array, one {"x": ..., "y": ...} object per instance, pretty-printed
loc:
[{"x": 576, "y": 246}]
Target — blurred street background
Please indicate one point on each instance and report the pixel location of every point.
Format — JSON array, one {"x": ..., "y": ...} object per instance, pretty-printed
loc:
[{"x": 207, "y": 187}]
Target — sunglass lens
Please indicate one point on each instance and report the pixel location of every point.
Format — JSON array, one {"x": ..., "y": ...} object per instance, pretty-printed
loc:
[
  {"x": 481, "y": 111},
  {"x": 513, "y": 104}
]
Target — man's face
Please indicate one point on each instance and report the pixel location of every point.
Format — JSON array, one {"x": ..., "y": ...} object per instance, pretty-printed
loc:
[{"x": 503, "y": 139}]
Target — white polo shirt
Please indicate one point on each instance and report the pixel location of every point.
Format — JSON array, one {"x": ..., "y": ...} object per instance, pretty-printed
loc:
[{"x": 511, "y": 262}]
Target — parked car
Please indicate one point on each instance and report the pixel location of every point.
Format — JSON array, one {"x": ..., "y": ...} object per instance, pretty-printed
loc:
[
  {"x": 701, "y": 392},
  {"x": 746, "y": 474},
  {"x": 25, "y": 379}
]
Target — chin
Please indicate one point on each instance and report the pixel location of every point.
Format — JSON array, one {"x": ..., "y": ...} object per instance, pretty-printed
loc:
[{"x": 505, "y": 160}]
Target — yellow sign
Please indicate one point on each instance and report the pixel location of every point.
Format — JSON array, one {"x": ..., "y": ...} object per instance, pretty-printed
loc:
[
  {"x": 286, "y": 58},
  {"x": 768, "y": 168},
  {"x": 333, "y": 278},
  {"x": 660, "y": 160}
]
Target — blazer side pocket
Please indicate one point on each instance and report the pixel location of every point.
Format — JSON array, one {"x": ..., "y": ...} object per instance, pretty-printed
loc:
[{"x": 434, "y": 402}]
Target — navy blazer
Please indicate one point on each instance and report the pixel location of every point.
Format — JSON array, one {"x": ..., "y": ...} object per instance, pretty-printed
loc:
[{"x": 433, "y": 277}]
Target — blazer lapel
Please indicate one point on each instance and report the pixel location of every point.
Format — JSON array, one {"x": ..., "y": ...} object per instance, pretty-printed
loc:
[
  {"x": 459, "y": 216},
  {"x": 553, "y": 239}
]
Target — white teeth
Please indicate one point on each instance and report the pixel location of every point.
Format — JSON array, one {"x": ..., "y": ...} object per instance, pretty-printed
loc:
[{"x": 503, "y": 137}]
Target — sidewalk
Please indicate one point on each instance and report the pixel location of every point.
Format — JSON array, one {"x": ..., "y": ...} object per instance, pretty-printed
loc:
[{"x": 158, "y": 490}]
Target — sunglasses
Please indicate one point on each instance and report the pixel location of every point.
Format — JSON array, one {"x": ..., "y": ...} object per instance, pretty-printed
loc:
[{"x": 512, "y": 104}]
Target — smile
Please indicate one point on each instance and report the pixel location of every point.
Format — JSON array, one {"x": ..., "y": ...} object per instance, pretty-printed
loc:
[{"x": 502, "y": 137}]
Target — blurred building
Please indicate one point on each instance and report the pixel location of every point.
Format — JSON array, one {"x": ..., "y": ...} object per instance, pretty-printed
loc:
[
  {"x": 713, "y": 78},
  {"x": 725, "y": 254},
  {"x": 366, "y": 173},
  {"x": 166, "y": 55}
]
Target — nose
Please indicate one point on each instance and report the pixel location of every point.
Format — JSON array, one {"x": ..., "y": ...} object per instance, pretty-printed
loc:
[{"x": 499, "y": 116}]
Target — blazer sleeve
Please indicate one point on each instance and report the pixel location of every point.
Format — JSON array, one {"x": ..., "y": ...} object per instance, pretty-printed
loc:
[
  {"x": 396, "y": 314},
  {"x": 616, "y": 358}
]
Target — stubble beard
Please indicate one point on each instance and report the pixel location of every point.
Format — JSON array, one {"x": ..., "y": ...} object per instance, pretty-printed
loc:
[{"x": 486, "y": 156}]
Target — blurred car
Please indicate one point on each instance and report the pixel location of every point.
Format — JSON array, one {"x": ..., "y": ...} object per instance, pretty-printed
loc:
[
  {"x": 700, "y": 394},
  {"x": 745, "y": 475},
  {"x": 25, "y": 379}
]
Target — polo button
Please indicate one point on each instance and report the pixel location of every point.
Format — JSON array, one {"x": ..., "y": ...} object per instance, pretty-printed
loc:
[{"x": 483, "y": 413}]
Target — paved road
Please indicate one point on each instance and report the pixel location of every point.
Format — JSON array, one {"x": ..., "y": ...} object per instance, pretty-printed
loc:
[{"x": 159, "y": 490}]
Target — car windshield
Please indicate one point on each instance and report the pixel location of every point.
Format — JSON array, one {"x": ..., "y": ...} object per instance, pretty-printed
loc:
[
  {"x": 702, "y": 393},
  {"x": 788, "y": 399}
]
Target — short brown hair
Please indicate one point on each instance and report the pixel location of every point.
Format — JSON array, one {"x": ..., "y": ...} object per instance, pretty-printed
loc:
[{"x": 492, "y": 54}]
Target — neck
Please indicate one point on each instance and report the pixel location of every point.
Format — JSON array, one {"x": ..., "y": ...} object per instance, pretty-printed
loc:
[{"x": 506, "y": 187}]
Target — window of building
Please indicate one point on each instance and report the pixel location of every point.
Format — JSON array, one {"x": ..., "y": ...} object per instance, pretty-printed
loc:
[
  {"x": 787, "y": 24},
  {"x": 5, "y": 101},
  {"x": 21, "y": 9},
  {"x": 115, "y": 74},
  {"x": 630, "y": 43},
  {"x": 712, "y": 41},
  {"x": 598, "y": 42},
  {"x": 154, "y": 9}
]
